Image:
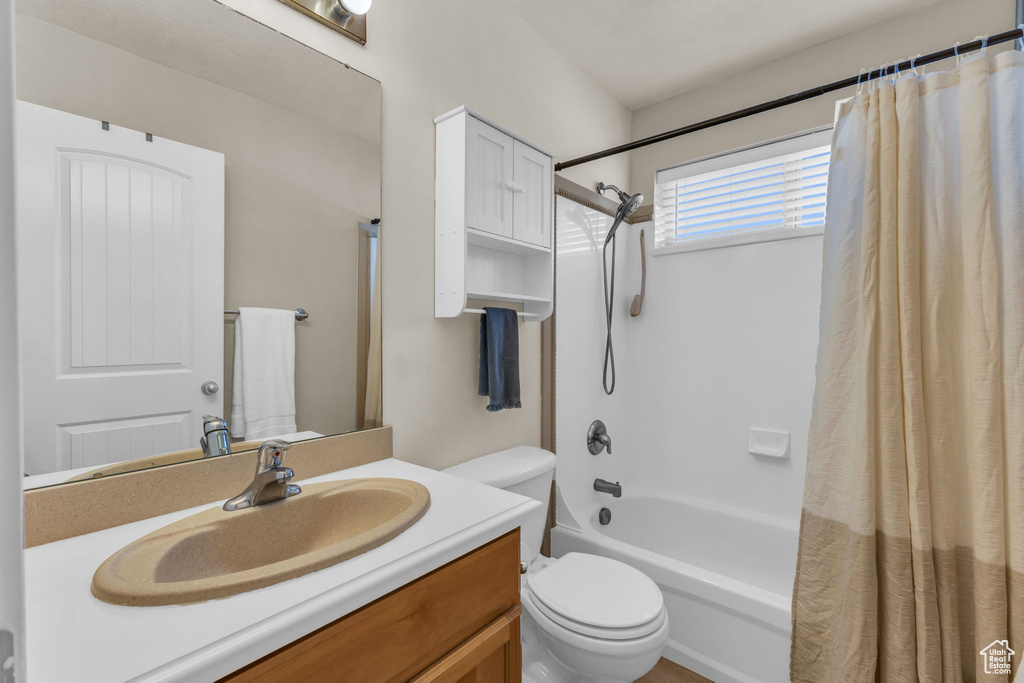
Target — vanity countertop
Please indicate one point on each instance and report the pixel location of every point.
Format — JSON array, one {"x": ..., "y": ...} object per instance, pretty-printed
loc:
[{"x": 72, "y": 636}]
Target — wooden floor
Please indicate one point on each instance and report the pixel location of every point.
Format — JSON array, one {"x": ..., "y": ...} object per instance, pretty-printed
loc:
[{"x": 670, "y": 672}]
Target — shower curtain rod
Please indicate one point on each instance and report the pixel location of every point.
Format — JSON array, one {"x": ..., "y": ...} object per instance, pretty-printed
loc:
[{"x": 791, "y": 99}]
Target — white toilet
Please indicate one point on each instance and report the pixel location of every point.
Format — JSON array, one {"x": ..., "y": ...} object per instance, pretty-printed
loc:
[{"x": 585, "y": 618}]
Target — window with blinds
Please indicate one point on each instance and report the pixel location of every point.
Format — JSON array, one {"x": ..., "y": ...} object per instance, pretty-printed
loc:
[{"x": 771, "y": 191}]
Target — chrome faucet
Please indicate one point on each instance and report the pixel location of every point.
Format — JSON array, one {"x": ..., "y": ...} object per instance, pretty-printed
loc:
[
  {"x": 271, "y": 480},
  {"x": 215, "y": 436},
  {"x": 602, "y": 486}
]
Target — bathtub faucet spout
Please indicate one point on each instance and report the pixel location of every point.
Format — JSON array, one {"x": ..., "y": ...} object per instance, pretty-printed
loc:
[{"x": 603, "y": 486}]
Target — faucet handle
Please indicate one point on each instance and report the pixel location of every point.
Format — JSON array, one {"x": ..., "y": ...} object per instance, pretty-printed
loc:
[
  {"x": 598, "y": 439},
  {"x": 271, "y": 454}
]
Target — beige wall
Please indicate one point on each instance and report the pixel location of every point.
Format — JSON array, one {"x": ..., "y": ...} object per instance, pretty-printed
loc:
[
  {"x": 296, "y": 189},
  {"x": 432, "y": 57},
  {"x": 934, "y": 28}
]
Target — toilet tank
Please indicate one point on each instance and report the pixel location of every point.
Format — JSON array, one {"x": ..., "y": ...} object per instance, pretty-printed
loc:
[{"x": 525, "y": 470}]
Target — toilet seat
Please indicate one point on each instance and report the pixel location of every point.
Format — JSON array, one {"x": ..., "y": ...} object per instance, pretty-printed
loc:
[
  {"x": 597, "y": 597},
  {"x": 533, "y": 605}
]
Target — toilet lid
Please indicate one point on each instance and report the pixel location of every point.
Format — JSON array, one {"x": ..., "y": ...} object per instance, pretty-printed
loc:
[
  {"x": 538, "y": 609},
  {"x": 597, "y": 591}
]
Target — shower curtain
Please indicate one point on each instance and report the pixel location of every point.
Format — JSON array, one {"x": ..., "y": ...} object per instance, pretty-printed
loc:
[
  {"x": 373, "y": 409},
  {"x": 912, "y": 533}
]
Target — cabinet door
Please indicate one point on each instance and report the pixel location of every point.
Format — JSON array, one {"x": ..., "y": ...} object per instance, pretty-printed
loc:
[
  {"x": 493, "y": 655},
  {"x": 533, "y": 191},
  {"x": 489, "y": 175},
  {"x": 465, "y": 614}
]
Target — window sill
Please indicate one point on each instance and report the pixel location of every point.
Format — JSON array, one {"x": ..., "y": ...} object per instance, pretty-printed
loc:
[{"x": 738, "y": 240}]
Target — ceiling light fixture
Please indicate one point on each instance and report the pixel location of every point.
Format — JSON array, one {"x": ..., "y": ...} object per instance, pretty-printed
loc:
[
  {"x": 347, "y": 17},
  {"x": 356, "y": 6}
]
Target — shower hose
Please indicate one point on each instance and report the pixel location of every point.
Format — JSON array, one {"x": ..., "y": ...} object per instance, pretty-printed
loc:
[{"x": 609, "y": 296}]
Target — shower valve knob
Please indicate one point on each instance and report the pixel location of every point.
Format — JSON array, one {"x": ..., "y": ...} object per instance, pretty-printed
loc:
[{"x": 598, "y": 439}]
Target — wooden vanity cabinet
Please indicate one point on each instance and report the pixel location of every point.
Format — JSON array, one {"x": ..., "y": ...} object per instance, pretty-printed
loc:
[{"x": 457, "y": 624}]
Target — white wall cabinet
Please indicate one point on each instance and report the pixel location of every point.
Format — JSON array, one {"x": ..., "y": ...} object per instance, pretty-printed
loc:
[{"x": 494, "y": 212}]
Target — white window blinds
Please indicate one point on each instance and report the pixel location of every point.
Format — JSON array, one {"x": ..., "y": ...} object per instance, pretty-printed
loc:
[{"x": 772, "y": 191}]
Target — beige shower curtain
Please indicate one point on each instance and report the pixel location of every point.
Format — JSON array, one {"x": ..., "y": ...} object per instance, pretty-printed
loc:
[
  {"x": 373, "y": 409},
  {"x": 912, "y": 535}
]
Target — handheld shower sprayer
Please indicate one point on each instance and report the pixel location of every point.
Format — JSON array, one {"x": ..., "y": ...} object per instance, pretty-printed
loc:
[
  {"x": 633, "y": 201},
  {"x": 627, "y": 205}
]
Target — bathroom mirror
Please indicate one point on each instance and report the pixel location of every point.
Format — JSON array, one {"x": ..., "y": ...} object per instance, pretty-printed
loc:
[{"x": 178, "y": 162}]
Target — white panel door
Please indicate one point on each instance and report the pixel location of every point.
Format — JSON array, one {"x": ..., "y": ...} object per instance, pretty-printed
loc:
[
  {"x": 533, "y": 196},
  {"x": 489, "y": 174},
  {"x": 121, "y": 289}
]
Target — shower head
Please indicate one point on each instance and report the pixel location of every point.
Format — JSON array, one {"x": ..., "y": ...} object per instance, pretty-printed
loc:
[{"x": 628, "y": 204}]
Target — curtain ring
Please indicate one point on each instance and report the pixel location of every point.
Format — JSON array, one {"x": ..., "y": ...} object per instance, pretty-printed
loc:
[
  {"x": 860, "y": 85},
  {"x": 1020, "y": 28},
  {"x": 984, "y": 45},
  {"x": 956, "y": 54}
]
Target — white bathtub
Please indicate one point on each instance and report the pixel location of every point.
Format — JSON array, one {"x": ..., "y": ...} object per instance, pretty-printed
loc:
[{"x": 726, "y": 575}]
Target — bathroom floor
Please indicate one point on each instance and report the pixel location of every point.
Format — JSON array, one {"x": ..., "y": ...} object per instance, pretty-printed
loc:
[{"x": 670, "y": 672}]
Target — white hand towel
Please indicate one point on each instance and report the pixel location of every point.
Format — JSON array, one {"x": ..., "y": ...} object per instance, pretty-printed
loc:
[{"x": 263, "y": 390}]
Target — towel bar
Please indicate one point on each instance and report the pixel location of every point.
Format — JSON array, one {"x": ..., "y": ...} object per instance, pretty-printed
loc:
[
  {"x": 300, "y": 313},
  {"x": 527, "y": 316}
]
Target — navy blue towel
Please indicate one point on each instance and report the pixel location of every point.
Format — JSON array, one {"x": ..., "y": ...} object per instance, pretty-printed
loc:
[{"x": 499, "y": 358}]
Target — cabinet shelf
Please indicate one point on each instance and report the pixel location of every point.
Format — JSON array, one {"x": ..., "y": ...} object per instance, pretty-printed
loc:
[{"x": 488, "y": 240}]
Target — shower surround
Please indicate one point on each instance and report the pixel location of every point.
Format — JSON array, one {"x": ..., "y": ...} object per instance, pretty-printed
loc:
[{"x": 726, "y": 341}]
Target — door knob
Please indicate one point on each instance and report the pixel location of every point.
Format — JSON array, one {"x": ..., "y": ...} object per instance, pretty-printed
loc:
[{"x": 210, "y": 388}]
